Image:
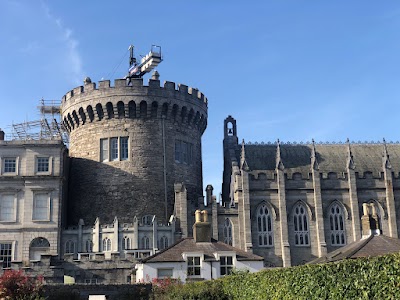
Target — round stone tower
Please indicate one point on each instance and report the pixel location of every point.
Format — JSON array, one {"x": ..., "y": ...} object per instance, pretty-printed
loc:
[{"x": 129, "y": 144}]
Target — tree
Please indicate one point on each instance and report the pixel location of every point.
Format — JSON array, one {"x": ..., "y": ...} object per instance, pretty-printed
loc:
[{"x": 15, "y": 285}]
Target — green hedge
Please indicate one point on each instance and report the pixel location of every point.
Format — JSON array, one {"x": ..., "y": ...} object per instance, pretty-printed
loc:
[{"x": 364, "y": 278}]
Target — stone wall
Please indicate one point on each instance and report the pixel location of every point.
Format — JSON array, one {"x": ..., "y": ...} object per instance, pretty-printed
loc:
[{"x": 150, "y": 117}]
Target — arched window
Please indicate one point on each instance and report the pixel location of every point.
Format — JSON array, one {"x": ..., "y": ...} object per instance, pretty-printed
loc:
[
  {"x": 106, "y": 244},
  {"x": 89, "y": 246},
  {"x": 228, "y": 232},
  {"x": 163, "y": 243},
  {"x": 264, "y": 226},
  {"x": 145, "y": 242},
  {"x": 126, "y": 243},
  {"x": 229, "y": 127},
  {"x": 336, "y": 223},
  {"x": 147, "y": 220},
  {"x": 300, "y": 222},
  {"x": 69, "y": 247}
]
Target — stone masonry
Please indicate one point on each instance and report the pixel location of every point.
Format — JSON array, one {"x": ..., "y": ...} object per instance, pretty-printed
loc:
[
  {"x": 154, "y": 119},
  {"x": 327, "y": 184}
]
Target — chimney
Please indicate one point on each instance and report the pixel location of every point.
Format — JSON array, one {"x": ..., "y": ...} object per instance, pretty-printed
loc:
[
  {"x": 201, "y": 227},
  {"x": 1, "y": 135},
  {"x": 369, "y": 221}
]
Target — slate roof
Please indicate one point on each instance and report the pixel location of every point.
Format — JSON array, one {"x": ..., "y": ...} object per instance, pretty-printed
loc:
[
  {"x": 174, "y": 252},
  {"x": 372, "y": 246},
  {"x": 331, "y": 157}
]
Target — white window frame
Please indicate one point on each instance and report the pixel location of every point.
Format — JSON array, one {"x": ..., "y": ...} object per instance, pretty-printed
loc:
[
  {"x": 14, "y": 208},
  {"x": 111, "y": 149},
  {"x": 3, "y": 166},
  {"x": 35, "y": 217},
  {"x": 49, "y": 165},
  {"x": 104, "y": 150},
  {"x": 192, "y": 266},
  {"x": 124, "y": 147},
  {"x": 337, "y": 235},
  {"x": 224, "y": 265}
]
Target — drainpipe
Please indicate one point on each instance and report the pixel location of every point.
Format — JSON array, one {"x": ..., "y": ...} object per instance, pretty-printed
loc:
[{"x": 165, "y": 168}]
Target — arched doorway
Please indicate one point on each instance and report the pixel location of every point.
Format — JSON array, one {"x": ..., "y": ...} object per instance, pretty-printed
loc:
[{"x": 38, "y": 247}]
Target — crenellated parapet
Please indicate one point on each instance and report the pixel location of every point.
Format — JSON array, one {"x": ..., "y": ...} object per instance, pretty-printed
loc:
[{"x": 91, "y": 103}]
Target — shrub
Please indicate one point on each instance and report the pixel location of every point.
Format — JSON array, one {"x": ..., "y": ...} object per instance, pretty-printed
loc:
[
  {"x": 364, "y": 278},
  {"x": 15, "y": 285}
]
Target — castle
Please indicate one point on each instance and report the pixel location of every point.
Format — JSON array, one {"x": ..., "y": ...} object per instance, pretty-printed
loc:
[{"x": 131, "y": 180}]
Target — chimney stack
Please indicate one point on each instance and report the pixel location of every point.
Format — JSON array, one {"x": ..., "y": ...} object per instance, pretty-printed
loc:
[
  {"x": 2, "y": 135},
  {"x": 201, "y": 227}
]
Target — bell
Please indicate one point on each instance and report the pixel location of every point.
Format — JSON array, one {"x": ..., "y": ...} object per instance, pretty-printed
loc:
[{"x": 230, "y": 131}]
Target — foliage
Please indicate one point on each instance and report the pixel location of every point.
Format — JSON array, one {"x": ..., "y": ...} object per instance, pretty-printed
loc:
[
  {"x": 15, "y": 285},
  {"x": 364, "y": 278}
]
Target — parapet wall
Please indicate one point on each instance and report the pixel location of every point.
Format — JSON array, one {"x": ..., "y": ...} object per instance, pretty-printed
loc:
[{"x": 87, "y": 103}]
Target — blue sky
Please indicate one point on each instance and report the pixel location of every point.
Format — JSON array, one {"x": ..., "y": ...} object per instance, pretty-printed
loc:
[{"x": 293, "y": 70}]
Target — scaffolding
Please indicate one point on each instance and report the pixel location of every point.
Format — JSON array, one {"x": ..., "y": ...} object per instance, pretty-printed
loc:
[{"x": 48, "y": 127}]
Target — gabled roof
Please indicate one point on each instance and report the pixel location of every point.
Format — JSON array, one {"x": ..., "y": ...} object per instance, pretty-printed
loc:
[
  {"x": 373, "y": 245},
  {"x": 174, "y": 252},
  {"x": 331, "y": 157}
]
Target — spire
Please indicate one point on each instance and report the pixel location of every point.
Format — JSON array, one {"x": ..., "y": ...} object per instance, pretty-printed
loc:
[
  {"x": 350, "y": 161},
  {"x": 385, "y": 157},
  {"x": 279, "y": 163},
  {"x": 243, "y": 163},
  {"x": 314, "y": 160}
]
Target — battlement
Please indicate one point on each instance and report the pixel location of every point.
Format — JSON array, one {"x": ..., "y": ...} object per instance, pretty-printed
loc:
[
  {"x": 295, "y": 143},
  {"x": 88, "y": 103},
  {"x": 153, "y": 88}
]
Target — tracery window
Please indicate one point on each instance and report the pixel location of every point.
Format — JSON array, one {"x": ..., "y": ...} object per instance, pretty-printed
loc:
[
  {"x": 163, "y": 243},
  {"x": 69, "y": 247},
  {"x": 147, "y": 220},
  {"x": 106, "y": 244},
  {"x": 300, "y": 222},
  {"x": 89, "y": 246},
  {"x": 264, "y": 226},
  {"x": 145, "y": 242},
  {"x": 126, "y": 243},
  {"x": 228, "y": 231},
  {"x": 336, "y": 222}
]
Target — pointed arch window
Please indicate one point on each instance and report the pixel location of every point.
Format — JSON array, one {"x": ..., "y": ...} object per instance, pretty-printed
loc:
[
  {"x": 106, "y": 244},
  {"x": 301, "y": 229},
  {"x": 126, "y": 243},
  {"x": 145, "y": 242},
  {"x": 336, "y": 225},
  {"x": 89, "y": 246},
  {"x": 69, "y": 247},
  {"x": 228, "y": 232},
  {"x": 264, "y": 226},
  {"x": 163, "y": 243}
]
